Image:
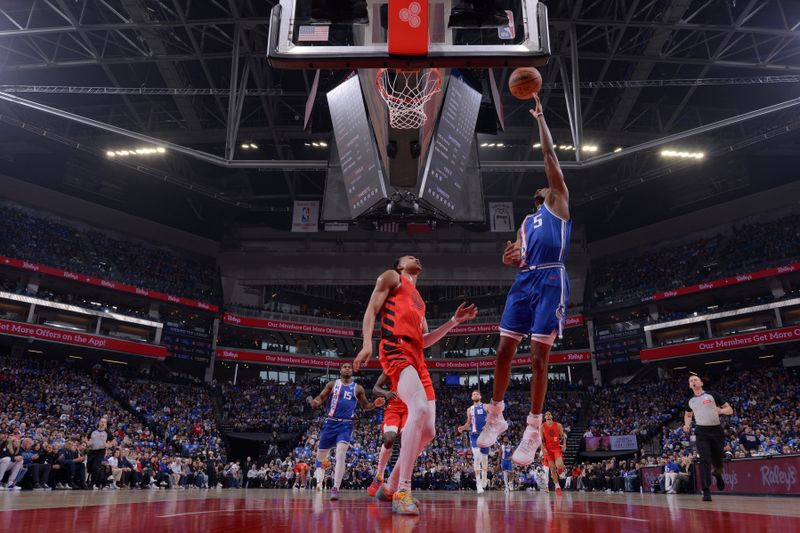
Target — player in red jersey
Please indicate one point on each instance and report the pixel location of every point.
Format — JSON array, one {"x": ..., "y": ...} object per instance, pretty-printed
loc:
[
  {"x": 554, "y": 444},
  {"x": 395, "y": 415},
  {"x": 301, "y": 471},
  {"x": 404, "y": 336}
]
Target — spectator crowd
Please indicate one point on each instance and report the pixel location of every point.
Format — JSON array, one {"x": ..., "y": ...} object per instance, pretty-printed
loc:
[
  {"x": 58, "y": 243},
  {"x": 743, "y": 248}
]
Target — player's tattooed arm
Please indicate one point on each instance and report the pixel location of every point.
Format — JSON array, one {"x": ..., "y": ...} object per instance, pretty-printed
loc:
[
  {"x": 386, "y": 282},
  {"x": 316, "y": 402},
  {"x": 464, "y": 313},
  {"x": 365, "y": 404}
]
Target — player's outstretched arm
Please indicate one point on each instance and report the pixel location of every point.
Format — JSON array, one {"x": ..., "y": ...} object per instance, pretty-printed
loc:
[
  {"x": 365, "y": 404},
  {"x": 559, "y": 194},
  {"x": 464, "y": 313},
  {"x": 379, "y": 390},
  {"x": 316, "y": 402},
  {"x": 386, "y": 282}
]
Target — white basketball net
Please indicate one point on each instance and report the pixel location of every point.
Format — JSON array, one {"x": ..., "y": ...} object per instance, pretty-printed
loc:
[{"x": 405, "y": 93}]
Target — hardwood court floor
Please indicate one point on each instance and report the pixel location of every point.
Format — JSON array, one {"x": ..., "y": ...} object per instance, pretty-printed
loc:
[{"x": 442, "y": 512}]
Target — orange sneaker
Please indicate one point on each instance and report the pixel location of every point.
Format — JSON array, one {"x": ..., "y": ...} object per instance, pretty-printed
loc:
[
  {"x": 383, "y": 493},
  {"x": 558, "y": 491},
  {"x": 373, "y": 489}
]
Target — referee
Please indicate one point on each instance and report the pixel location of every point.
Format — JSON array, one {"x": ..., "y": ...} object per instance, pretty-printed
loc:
[
  {"x": 706, "y": 407},
  {"x": 97, "y": 442}
]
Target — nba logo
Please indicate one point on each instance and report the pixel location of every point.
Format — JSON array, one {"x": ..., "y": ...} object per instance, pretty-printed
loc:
[{"x": 508, "y": 32}]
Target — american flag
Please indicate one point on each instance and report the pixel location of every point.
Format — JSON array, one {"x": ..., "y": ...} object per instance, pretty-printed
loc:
[{"x": 313, "y": 33}]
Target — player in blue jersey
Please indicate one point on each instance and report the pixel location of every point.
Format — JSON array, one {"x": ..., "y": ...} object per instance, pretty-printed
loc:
[
  {"x": 537, "y": 301},
  {"x": 344, "y": 394},
  {"x": 476, "y": 419},
  {"x": 506, "y": 466}
]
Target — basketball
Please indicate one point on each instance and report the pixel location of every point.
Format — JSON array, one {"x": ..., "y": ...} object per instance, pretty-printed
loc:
[{"x": 524, "y": 83}]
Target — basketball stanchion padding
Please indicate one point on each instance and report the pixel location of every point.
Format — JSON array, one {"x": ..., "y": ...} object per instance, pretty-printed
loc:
[
  {"x": 408, "y": 27},
  {"x": 405, "y": 93}
]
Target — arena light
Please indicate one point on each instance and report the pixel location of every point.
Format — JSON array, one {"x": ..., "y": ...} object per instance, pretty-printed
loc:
[
  {"x": 31, "y": 350},
  {"x": 766, "y": 356},
  {"x": 75, "y": 357},
  {"x": 680, "y": 154},
  {"x": 589, "y": 148},
  {"x": 142, "y": 150},
  {"x": 114, "y": 361},
  {"x": 617, "y": 149},
  {"x": 679, "y": 368},
  {"x": 537, "y": 145},
  {"x": 249, "y": 146},
  {"x": 719, "y": 362}
]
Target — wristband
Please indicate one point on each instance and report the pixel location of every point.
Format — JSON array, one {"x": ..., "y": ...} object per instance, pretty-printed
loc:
[{"x": 453, "y": 320}]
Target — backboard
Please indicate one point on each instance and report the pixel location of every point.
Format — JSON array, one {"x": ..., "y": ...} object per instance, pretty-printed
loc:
[{"x": 342, "y": 34}]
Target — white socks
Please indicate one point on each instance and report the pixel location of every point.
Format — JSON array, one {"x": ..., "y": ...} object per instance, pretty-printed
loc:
[
  {"x": 383, "y": 460},
  {"x": 535, "y": 421},
  {"x": 496, "y": 408},
  {"x": 341, "y": 462}
]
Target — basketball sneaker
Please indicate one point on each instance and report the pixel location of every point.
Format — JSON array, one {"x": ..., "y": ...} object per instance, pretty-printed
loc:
[
  {"x": 373, "y": 489},
  {"x": 531, "y": 440},
  {"x": 383, "y": 493},
  {"x": 495, "y": 425},
  {"x": 558, "y": 491},
  {"x": 334, "y": 494},
  {"x": 403, "y": 503},
  {"x": 480, "y": 487}
]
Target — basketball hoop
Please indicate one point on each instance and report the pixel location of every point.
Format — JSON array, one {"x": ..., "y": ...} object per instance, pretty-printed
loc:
[{"x": 406, "y": 92}]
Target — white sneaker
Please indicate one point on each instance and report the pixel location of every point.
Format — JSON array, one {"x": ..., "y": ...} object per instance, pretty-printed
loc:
[
  {"x": 526, "y": 451},
  {"x": 13, "y": 487},
  {"x": 480, "y": 488},
  {"x": 494, "y": 427},
  {"x": 508, "y": 490}
]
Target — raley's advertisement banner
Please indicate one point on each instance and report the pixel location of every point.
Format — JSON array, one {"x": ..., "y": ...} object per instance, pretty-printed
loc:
[
  {"x": 733, "y": 280},
  {"x": 333, "y": 331},
  {"x": 734, "y": 342},
  {"x": 310, "y": 361},
  {"x": 76, "y": 338},
  {"x": 113, "y": 285},
  {"x": 772, "y": 475}
]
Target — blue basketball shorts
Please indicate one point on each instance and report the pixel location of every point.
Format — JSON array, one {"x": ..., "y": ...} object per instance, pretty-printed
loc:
[
  {"x": 473, "y": 442},
  {"x": 536, "y": 305},
  {"x": 334, "y": 432}
]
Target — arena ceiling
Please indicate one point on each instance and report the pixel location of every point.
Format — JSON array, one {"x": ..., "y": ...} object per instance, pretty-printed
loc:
[{"x": 643, "y": 70}]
